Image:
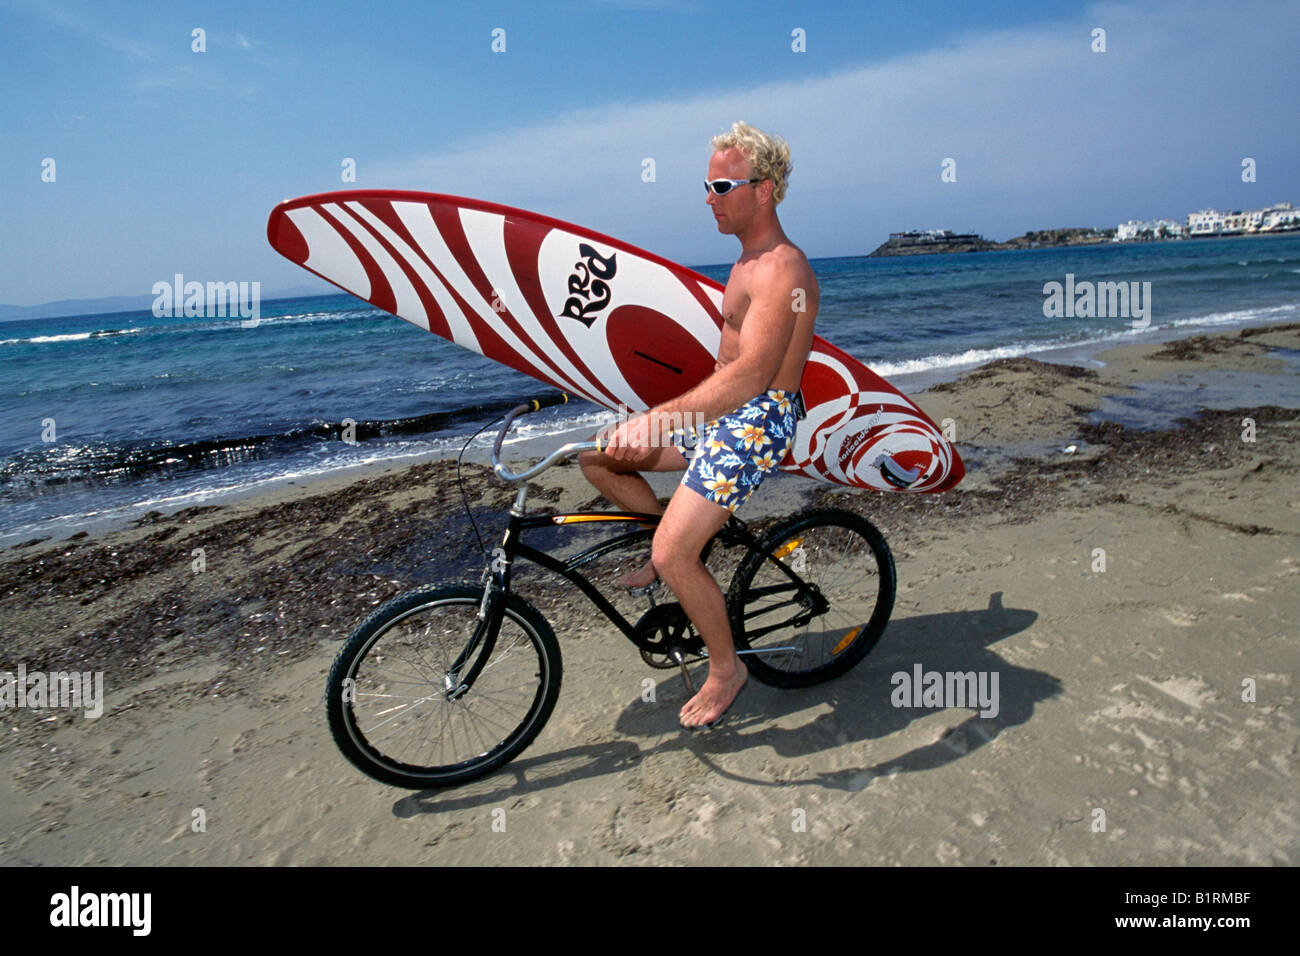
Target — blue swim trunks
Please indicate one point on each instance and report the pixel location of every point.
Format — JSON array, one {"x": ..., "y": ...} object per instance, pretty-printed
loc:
[{"x": 728, "y": 459}]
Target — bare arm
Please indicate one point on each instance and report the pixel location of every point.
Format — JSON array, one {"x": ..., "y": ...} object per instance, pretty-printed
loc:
[{"x": 765, "y": 336}]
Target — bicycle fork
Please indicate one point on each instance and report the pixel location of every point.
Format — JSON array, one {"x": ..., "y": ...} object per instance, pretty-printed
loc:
[{"x": 486, "y": 629}]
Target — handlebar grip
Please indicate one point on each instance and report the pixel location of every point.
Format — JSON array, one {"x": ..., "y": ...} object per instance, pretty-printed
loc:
[{"x": 546, "y": 401}]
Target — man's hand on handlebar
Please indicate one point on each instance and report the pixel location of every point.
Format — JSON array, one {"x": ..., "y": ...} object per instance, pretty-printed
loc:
[{"x": 628, "y": 440}]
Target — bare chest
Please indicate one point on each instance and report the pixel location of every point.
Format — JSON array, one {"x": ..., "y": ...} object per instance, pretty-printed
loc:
[{"x": 735, "y": 303}]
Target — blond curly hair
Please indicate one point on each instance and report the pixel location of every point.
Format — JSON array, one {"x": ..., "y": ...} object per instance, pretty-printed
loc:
[{"x": 768, "y": 155}]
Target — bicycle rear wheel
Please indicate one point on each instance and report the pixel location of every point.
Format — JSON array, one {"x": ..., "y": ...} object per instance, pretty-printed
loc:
[
  {"x": 813, "y": 599},
  {"x": 388, "y": 700}
]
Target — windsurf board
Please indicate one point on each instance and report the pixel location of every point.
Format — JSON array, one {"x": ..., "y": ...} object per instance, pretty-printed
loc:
[{"x": 595, "y": 317}]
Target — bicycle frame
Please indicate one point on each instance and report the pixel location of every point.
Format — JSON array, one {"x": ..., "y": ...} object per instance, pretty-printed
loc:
[
  {"x": 733, "y": 533},
  {"x": 496, "y": 576},
  {"x": 513, "y": 546}
]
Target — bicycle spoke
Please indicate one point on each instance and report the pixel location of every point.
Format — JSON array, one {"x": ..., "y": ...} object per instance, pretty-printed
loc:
[
  {"x": 400, "y": 714},
  {"x": 840, "y": 579}
]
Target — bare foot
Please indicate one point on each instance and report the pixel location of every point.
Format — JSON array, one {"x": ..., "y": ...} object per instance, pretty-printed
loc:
[
  {"x": 639, "y": 579},
  {"x": 714, "y": 698}
]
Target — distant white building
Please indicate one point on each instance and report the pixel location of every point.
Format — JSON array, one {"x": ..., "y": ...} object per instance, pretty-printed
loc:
[
  {"x": 1211, "y": 222},
  {"x": 1280, "y": 215},
  {"x": 1158, "y": 228},
  {"x": 1206, "y": 222},
  {"x": 1236, "y": 222}
]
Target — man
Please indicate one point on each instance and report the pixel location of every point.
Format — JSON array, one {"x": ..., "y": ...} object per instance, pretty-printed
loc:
[{"x": 750, "y": 401}]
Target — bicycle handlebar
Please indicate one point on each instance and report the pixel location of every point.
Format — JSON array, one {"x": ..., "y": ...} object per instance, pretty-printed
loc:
[{"x": 533, "y": 405}]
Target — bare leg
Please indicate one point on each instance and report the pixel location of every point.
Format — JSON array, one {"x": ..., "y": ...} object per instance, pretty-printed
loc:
[
  {"x": 621, "y": 483},
  {"x": 688, "y": 523}
]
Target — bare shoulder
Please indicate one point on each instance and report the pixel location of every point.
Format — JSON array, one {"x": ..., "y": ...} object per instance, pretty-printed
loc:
[
  {"x": 785, "y": 267},
  {"x": 787, "y": 259}
]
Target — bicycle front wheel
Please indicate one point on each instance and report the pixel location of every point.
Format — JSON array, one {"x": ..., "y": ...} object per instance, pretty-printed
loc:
[
  {"x": 390, "y": 696},
  {"x": 813, "y": 599}
]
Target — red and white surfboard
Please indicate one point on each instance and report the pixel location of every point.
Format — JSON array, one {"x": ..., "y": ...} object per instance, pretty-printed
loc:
[{"x": 592, "y": 316}]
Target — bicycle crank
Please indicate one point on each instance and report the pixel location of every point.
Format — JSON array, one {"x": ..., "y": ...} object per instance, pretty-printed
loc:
[{"x": 666, "y": 638}]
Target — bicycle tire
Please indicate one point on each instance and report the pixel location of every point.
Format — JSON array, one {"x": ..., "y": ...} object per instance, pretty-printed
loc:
[
  {"x": 845, "y": 558},
  {"x": 414, "y": 637}
]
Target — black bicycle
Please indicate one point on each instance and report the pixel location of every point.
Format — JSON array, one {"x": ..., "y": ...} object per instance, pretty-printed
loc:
[{"x": 449, "y": 682}]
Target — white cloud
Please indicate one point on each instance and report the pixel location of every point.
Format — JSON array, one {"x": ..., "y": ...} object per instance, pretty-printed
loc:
[
  {"x": 1034, "y": 119},
  {"x": 54, "y": 13}
]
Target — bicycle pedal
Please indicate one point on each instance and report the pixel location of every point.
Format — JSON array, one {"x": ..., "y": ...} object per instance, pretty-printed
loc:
[{"x": 647, "y": 590}]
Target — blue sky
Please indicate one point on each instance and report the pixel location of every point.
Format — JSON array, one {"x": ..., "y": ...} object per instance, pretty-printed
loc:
[{"x": 168, "y": 160}]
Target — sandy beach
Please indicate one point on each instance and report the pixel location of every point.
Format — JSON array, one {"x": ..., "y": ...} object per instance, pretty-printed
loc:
[{"x": 1136, "y": 597}]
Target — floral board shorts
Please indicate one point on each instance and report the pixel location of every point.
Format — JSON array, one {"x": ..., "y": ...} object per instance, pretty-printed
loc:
[{"x": 728, "y": 459}]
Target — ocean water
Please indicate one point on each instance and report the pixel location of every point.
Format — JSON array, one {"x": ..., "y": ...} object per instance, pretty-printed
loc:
[{"x": 115, "y": 414}]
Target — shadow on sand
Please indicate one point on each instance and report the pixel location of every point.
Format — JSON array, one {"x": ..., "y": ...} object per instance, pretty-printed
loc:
[{"x": 853, "y": 709}]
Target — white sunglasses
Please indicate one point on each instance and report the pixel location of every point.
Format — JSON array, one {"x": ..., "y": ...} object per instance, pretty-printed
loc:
[{"x": 720, "y": 187}]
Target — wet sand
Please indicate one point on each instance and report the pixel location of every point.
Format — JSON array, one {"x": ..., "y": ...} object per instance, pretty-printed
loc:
[{"x": 1145, "y": 712}]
